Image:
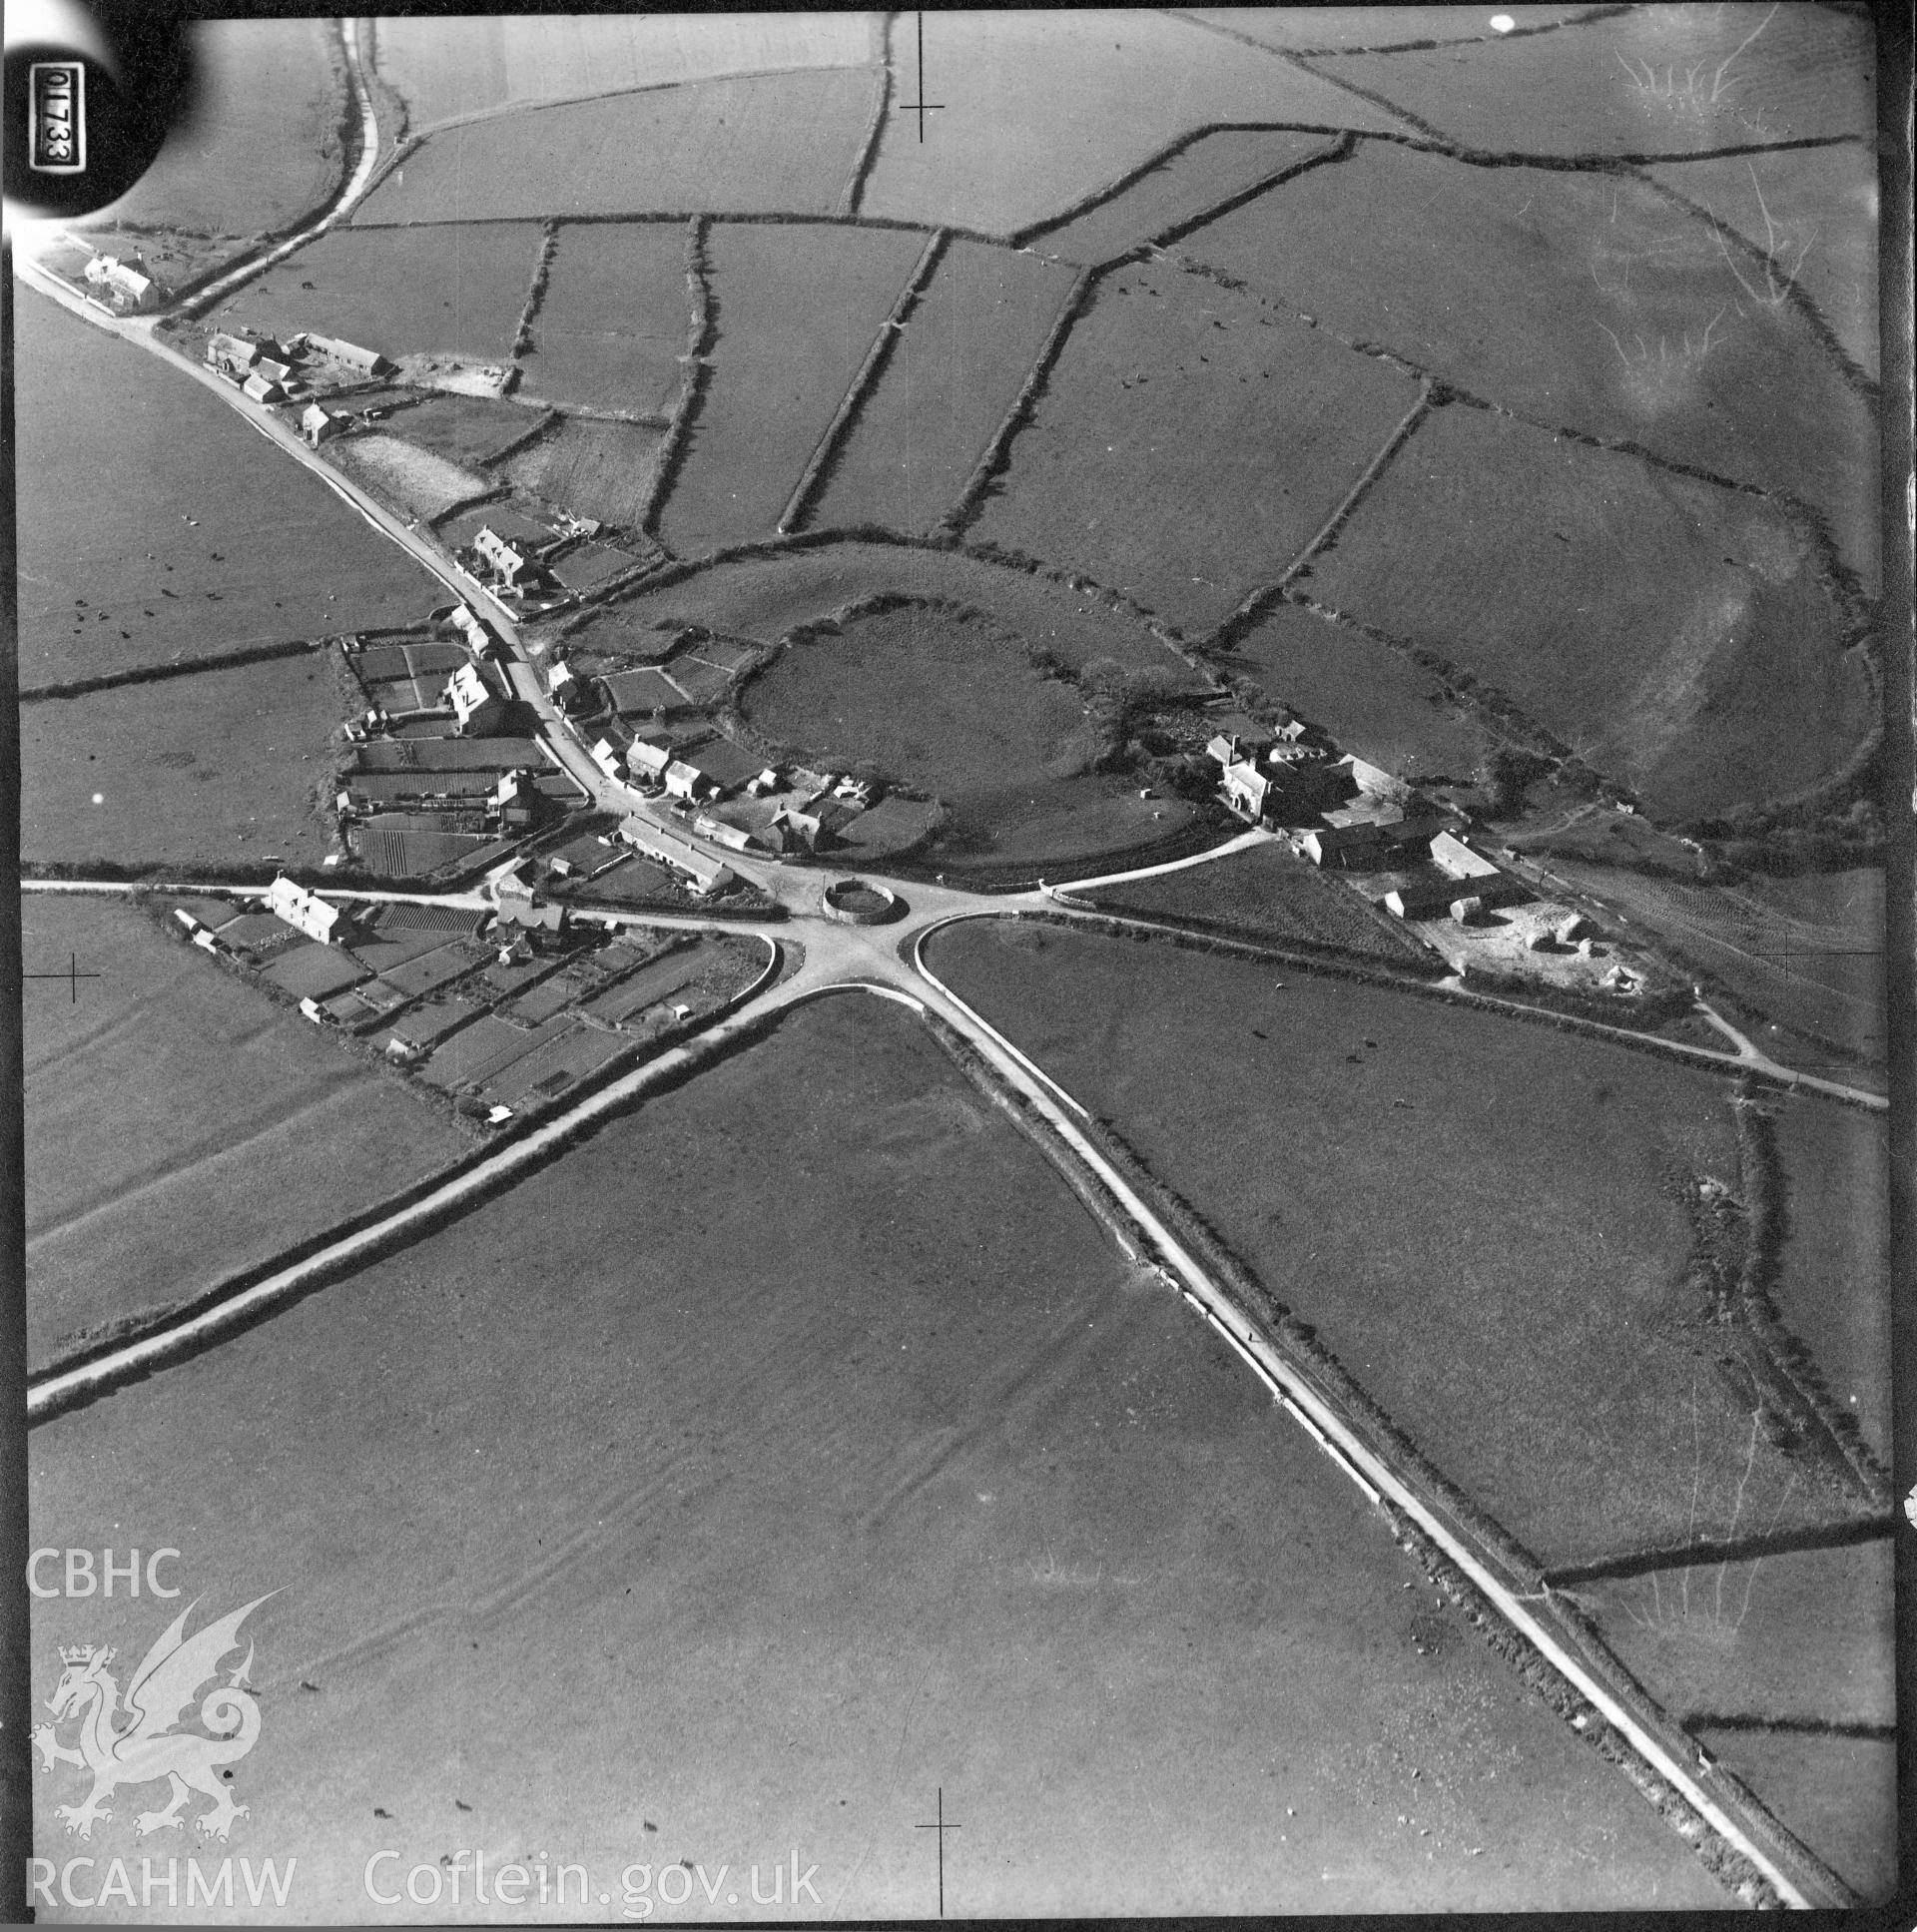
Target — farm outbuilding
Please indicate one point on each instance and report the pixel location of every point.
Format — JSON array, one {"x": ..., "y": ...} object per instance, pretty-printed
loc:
[
  {"x": 349, "y": 356},
  {"x": 648, "y": 762},
  {"x": 261, "y": 389},
  {"x": 707, "y": 875},
  {"x": 1420, "y": 898},
  {"x": 1449, "y": 854},
  {"x": 683, "y": 781}
]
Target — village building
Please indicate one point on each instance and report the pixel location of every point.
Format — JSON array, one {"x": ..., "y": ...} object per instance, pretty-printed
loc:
[
  {"x": 508, "y": 563},
  {"x": 603, "y": 755},
  {"x": 479, "y": 640},
  {"x": 123, "y": 287},
  {"x": 1358, "y": 843},
  {"x": 1422, "y": 899},
  {"x": 262, "y": 391},
  {"x": 648, "y": 762},
  {"x": 349, "y": 356},
  {"x": 735, "y": 837},
  {"x": 477, "y": 707},
  {"x": 304, "y": 912},
  {"x": 814, "y": 825},
  {"x": 231, "y": 355},
  {"x": 707, "y": 875},
  {"x": 1247, "y": 789},
  {"x": 319, "y": 426},
  {"x": 683, "y": 781},
  {"x": 516, "y": 802}
]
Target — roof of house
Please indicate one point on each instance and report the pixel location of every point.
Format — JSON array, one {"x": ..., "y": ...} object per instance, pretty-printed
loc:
[{"x": 1456, "y": 858}]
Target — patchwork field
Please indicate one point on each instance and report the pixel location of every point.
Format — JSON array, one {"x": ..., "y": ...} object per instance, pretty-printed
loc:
[
  {"x": 953, "y": 706},
  {"x": 1658, "y": 80},
  {"x": 778, "y": 144},
  {"x": 1394, "y": 1170},
  {"x": 448, "y": 290},
  {"x": 178, "y": 1127},
  {"x": 1190, "y": 442},
  {"x": 1814, "y": 214},
  {"x": 1057, "y": 109},
  {"x": 1178, "y": 190},
  {"x": 726, "y": 1416},
  {"x": 260, "y": 149},
  {"x": 613, "y": 322},
  {"x": 596, "y": 469},
  {"x": 1372, "y": 699},
  {"x": 1807, "y": 953},
  {"x": 1674, "y": 633},
  {"x": 1584, "y": 300},
  {"x": 450, "y": 67},
  {"x": 797, "y": 310},
  {"x": 766, "y": 597},
  {"x": 955, "y": 369},
  {"x": 153, "y": 524},
  {"x": 223, "y": 767},
  {"x": 1267, "y": 894}
]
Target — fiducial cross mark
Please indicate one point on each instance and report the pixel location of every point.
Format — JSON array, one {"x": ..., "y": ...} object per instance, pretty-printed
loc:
[{"x": 921, "y": 107}]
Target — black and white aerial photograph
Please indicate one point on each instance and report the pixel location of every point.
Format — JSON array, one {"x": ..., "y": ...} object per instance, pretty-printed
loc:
[{"x": 957, "y": 963}]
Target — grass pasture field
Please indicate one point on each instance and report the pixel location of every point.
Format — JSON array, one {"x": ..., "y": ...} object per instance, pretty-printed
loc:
[
  {"x": 770, "y": 145},
  {"x": 1267, "y": 894},
  {"x": 153, "y": 524},
  {"x": 1189, "y": 442},
  {"x": 1313, "y": 29},
  {"x": 955, "y": 369},
  {"x": 1807, "y": 1635},
  {"x": 179, "y": 1125},
  {"x": 1394, "y": 1170},
  {"x": 1057, "y": 109},
  {"x": 1179, "y": 189},
  {"x": 597, "y": 469},
  {"x": 450, "y": 68},
  {"x": 797, "y": 310},
  {"x": 612, "y": 325},
  {"x": 1655, "y": 81},
  {"x": 807, "y": 1389},
  {"x": 468, "y": 429},
  {"x": 1674, "y": 634},
  {"x": 420, "y": 483},
  {"x": 1814, "y": 212},
  {"x": 1837, "y": 1793},
  {"x": 221, "y": 767},
  {"x": 451, "y": 289},
  {"x": 951, "y": 705},
  {"x": 764, "y": 598},
  {"x": 1582, "y": 299},
  {"x": 258, "y": 149},
  {"x": 1806, "y": 952},
  {"x": 1372, "y": 699}
]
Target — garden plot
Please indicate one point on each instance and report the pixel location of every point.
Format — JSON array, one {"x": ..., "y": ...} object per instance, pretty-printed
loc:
[
  {"x": 778, "y": 144},
  {"x": 1583, "y": 300},
  {"x": 1190, "y": 442},
  {"x": 956, "y": 367},
  {"x": 1676, "y": 635},
  {"x": 798, "y": 308},
  {"x": 466, "y": 429}
]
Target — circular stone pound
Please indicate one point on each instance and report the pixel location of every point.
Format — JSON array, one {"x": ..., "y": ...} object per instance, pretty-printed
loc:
[{"x": 858, "y": 902}]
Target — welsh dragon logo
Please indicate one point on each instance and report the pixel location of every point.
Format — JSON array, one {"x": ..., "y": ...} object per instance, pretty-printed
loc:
[{"x": 139, "y": 1745}]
